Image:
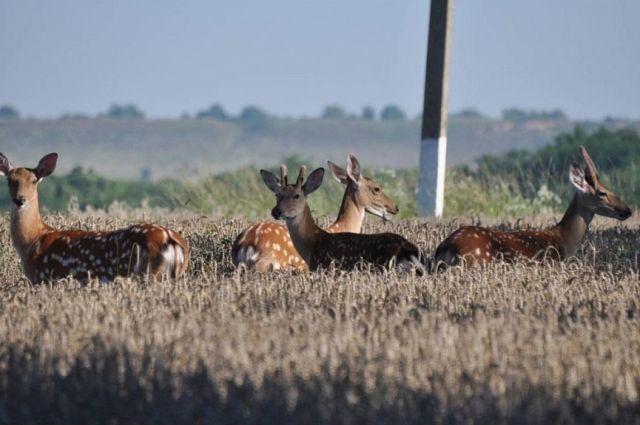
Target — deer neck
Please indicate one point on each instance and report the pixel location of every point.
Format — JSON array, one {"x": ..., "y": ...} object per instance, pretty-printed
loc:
[
  {"x": 304, "y": 233},
  {"x": 573, "y": 226},
  {"x": 351, "y": 213},
  {"x": 26, "y": 227}
]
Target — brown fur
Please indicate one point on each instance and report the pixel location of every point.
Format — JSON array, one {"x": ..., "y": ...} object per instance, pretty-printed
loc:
[
  {"x": 477, "y": 245},
  {"x": 271, "y": 245},
  {"x": 48, "y": 254},
  {"x": 321, "y": 249}
]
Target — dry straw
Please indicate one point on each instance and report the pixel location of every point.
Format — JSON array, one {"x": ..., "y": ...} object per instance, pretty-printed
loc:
[{"x": 506, "y": 344}]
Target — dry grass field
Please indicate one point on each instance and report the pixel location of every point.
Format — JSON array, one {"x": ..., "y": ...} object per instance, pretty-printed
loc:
[{"x": 546, "y": 343}]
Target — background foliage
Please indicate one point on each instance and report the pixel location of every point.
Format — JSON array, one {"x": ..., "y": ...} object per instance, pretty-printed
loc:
[{"x": 513, "y": 184}]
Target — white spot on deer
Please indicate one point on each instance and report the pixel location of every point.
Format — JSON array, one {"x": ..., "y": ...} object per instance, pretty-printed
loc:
[
  {"x": 67, "y": 262},
  {"x": 276, "y": 247},
  {"x": 477, "y": 251}
]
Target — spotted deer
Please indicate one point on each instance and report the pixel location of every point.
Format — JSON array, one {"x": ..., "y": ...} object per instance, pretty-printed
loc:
[
  {"x": 480, "y": 245},
  {"x": 321, "y": 249},
  {"x": 267, "y": 245},
  {"x": 48, "y": 254}
]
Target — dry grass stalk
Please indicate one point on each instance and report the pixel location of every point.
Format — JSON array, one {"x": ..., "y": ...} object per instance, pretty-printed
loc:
[{"x": 505, "y": 344}]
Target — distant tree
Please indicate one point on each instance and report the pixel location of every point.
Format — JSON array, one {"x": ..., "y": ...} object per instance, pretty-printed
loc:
[
  {"x": 514, "y": 115},
  {"x": 124, "y": 111},
  {"x": 145, "y": 174},
  {"x": 216, "y": 111},
  {"x": 9, "y": 112},
  {"x": 519, "y": 115},
  {"x": 469, "y": 113},
  {"x": 368, "y": 113},
  {"x": 254, "y": 118},
  {"x": 557, "y": 115},
  {"x": 392, "y": 112},
  {"x": 334, "y": 112},
  {"x": 74, "y": 116}
]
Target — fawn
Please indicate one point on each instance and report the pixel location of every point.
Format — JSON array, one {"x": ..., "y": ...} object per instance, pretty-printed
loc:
[
  {"x": 478, "y": 245},
  {"x": 268, "y": 246},
  {"x": 319, "y": 248},
  {"x": 48, "y": 254}
]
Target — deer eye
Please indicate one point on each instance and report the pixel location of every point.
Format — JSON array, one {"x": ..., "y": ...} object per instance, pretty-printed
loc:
[
  {"x": 376, "y": 189},
  {"x": 296, "y": 196},
  {"x": 601, "y": 194}
]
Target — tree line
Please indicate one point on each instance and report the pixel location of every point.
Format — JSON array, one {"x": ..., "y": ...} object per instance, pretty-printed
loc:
[{"x": 255, "y": 117}]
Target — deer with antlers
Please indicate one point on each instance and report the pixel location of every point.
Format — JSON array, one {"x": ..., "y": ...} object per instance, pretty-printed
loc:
[
  {"x": 321, "y": 249},
  {"x": 48, "y": 254},
  {"x": 267, "y": 246},
  {"x": 473, "y": 244}
]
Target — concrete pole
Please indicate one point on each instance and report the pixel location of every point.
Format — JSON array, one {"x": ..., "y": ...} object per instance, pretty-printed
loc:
[{"x": 433, "y": 148}]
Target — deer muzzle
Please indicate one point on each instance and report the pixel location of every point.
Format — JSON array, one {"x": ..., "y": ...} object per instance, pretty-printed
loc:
[
  {"x": 276, "y": 213},
  {"x": 19, "y": 201}
]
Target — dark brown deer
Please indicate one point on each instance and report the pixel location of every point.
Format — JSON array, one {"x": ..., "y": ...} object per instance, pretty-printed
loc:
[
  {"x": 48, "y": 254},
  {"x": 321, "y": 249},
  {"x": 479, "y": 245},
  {"x": 267, "y": 245}
]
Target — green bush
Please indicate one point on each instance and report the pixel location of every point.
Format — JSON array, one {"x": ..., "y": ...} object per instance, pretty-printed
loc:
[{"x": 93, "y": 190}]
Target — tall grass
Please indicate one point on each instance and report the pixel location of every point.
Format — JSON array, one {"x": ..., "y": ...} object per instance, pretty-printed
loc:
[
  {"x": 242, "y": 193},
  {"x": 545, "y": 343}
]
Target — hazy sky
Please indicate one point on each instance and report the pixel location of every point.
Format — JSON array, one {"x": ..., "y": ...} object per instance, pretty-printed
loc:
[{"x": 294, "y": 57}]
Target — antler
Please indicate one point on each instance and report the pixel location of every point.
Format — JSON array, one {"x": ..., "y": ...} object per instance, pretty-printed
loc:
[
  {"x": 303, "y": 170},
  {"x": 283, "y": 176}
]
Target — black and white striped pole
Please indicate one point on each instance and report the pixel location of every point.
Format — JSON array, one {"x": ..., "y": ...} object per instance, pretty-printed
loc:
[{"x": 433, "y": 148}]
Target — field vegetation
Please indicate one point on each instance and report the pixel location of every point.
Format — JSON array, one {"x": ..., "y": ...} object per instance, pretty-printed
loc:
[
  {"x": 211, "y": 142},
  {"x": 507, "y": 185},
  {"x": 519, "y": 343},
  {"x": 509, "y": 343}
]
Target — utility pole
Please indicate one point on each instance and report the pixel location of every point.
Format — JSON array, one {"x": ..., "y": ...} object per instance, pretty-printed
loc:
[{"x": 433, "y": 148}]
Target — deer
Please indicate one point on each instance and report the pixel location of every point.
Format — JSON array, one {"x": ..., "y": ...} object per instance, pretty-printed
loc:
[
  {"x": 479, "y": 245},
  {"x": 48, "y": 254},
  {"x": 321, "y": 249},
  {"x": 266, "y": 246}
]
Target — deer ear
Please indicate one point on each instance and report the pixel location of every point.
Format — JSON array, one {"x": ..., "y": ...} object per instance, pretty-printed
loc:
[
  {"x": 591, "y": 166},
  {"x": 338, "y": 172},
  {"x": 353, "y": 168},
  {"x": 313, "y": 181},
  {"x": 271, "y": 181},
  {"x": 46, "y": 165},
  {"x": 5, "y": 165},
  {"x": 576, "y": 176}
]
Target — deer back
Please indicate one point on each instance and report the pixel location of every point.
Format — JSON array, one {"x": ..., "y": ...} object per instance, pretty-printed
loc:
[{"x": 136, "y": 250}]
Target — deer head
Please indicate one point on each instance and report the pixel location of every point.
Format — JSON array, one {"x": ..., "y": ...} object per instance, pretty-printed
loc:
[
  {"x": 23, "y": 182},
  {"x": 364, "y": 190},
  {"x": 593, "y": 195},
  {"x": 291, "y": 198}
]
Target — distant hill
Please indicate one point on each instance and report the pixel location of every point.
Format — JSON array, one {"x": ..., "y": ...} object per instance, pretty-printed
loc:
[{"x": 152, "y": 149}]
